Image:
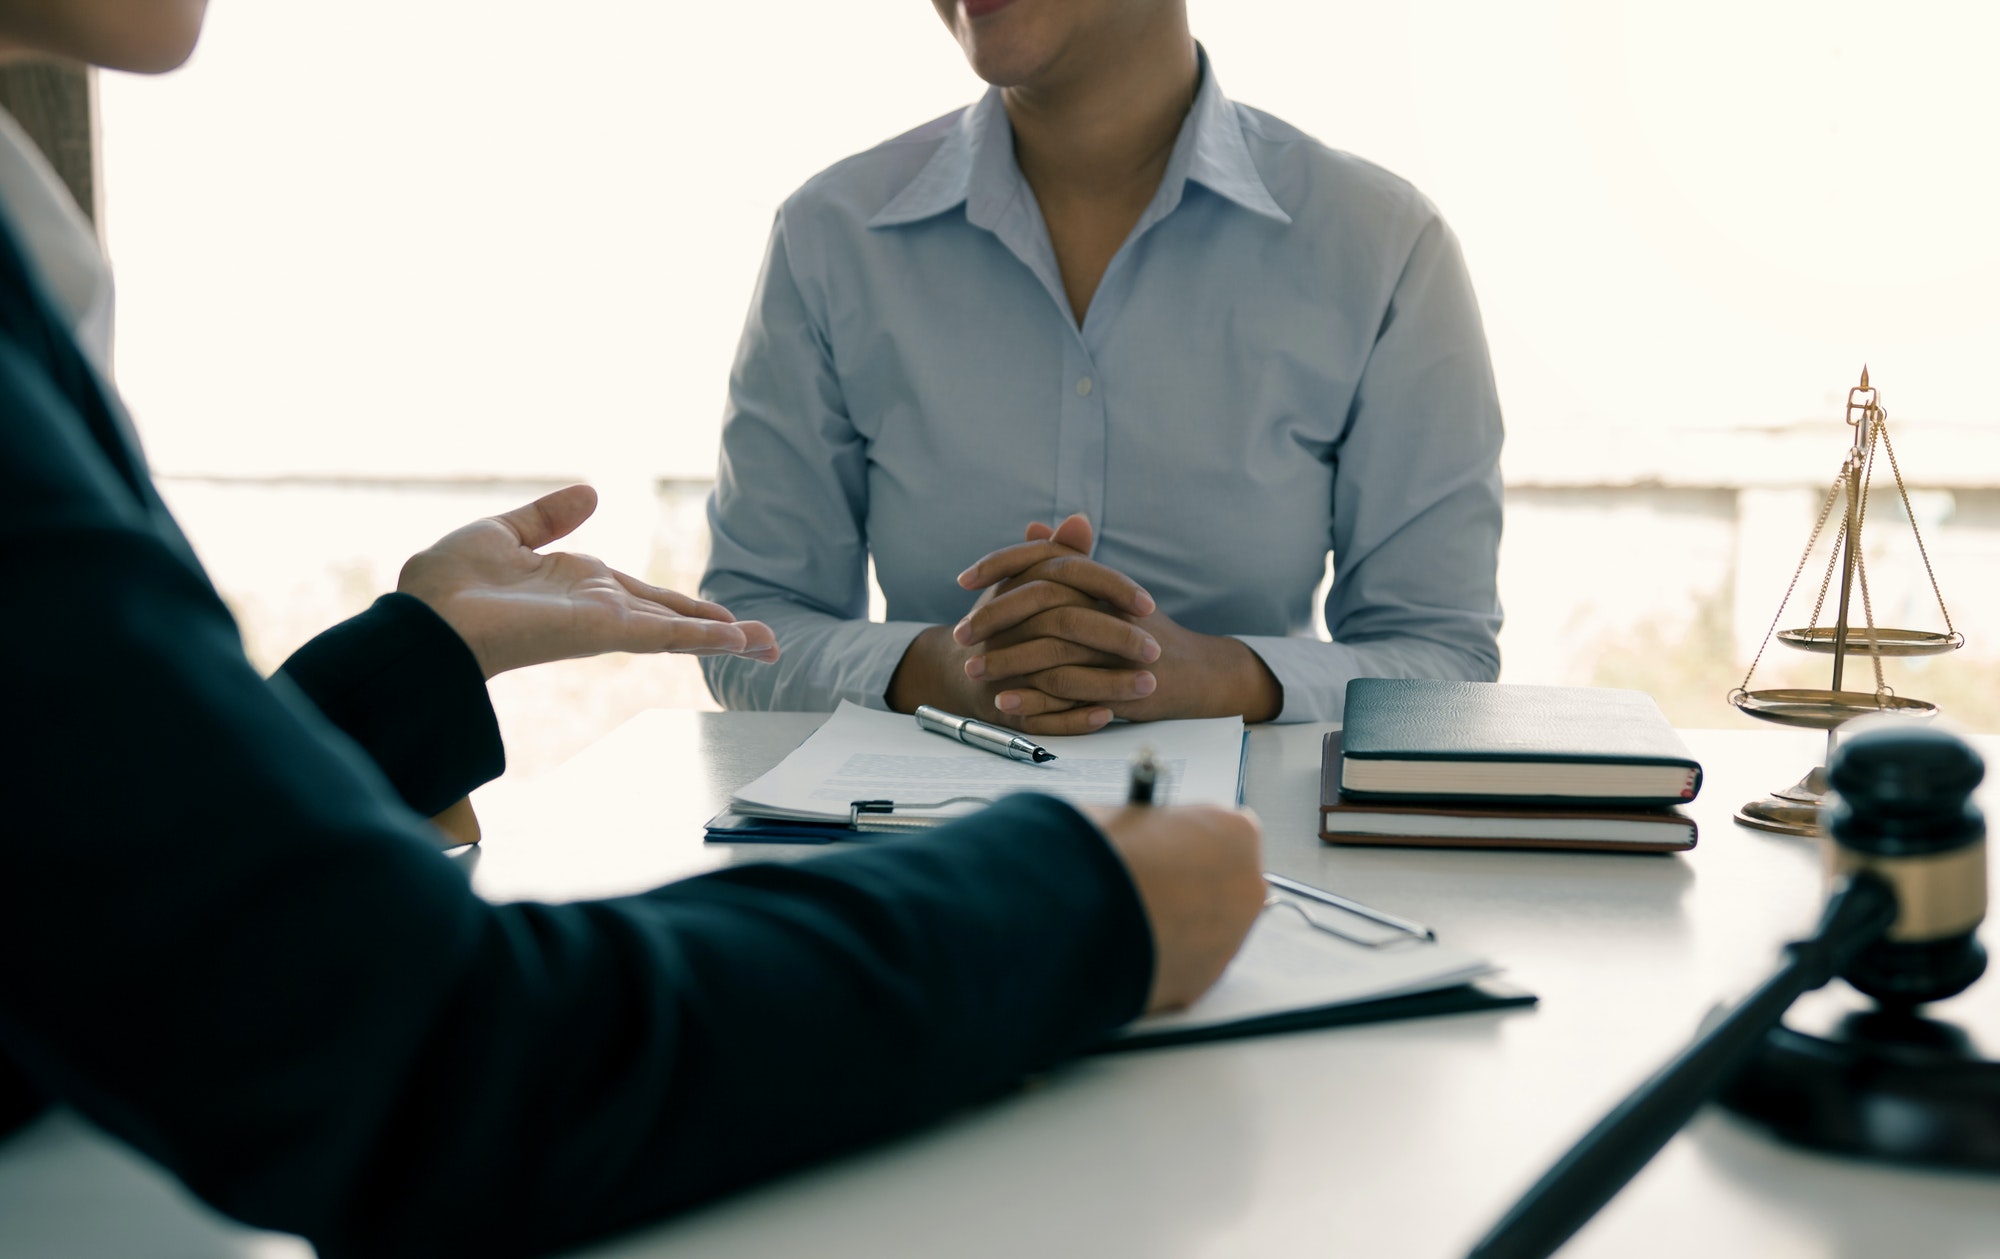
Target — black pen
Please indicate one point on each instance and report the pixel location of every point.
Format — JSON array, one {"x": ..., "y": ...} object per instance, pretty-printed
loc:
[{"x": 1145, "y": 777}]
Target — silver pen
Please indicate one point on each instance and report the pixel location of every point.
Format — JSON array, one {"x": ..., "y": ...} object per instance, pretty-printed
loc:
[{"x": 977, "y": 734}]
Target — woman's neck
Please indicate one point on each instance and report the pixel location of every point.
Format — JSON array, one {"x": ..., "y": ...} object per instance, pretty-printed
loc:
[{"x": 1101, "y": 122}]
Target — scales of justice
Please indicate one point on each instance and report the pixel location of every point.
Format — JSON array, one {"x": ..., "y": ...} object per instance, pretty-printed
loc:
[
  {"x": 1893, "y": 1077},
  {"x": 1794, "y": 810}
]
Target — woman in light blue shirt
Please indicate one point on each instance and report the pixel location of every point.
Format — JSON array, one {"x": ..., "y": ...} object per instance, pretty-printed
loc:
[{"x": 1107, "y": 296}]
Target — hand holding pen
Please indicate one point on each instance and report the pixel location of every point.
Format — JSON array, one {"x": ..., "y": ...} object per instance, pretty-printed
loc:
[
  {"x": 1195, "y": 869},
  {"x": 1145, "y": 781}
]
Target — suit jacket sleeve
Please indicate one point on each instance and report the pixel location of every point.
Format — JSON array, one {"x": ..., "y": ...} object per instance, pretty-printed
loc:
[
  {"x": 401, "y": 683},
  {"x": 225, "y": 939}
]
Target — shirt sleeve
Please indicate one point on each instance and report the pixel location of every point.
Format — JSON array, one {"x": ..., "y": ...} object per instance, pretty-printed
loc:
[
  {"x": 1416, "y": 502},
  {"x": 787, "y": 521},
  {"x": 224, "y": 939},
  {"x": 400, "y": 682}
]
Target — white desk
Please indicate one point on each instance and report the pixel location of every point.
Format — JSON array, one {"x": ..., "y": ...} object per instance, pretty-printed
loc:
[{"x": 1403, "y": 1139}]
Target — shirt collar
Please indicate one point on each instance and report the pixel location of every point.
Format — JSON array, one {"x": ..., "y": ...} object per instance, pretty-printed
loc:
[
  {"x": 59, "y": 243},
  {"x": 1219, "y": 157},
  {"x": 974, "y": 166}
]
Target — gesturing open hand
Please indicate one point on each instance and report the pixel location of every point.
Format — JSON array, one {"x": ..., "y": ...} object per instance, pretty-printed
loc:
[{"x": 516, "y": 607}]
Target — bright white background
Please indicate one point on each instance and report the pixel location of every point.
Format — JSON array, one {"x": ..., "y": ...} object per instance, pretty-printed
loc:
[
  {"x": 439, "y": 242},
  {"x": 443, "y": 236}
]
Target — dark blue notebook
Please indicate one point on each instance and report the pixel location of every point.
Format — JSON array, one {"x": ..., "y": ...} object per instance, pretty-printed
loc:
[{"x": 1426, "y": 739}]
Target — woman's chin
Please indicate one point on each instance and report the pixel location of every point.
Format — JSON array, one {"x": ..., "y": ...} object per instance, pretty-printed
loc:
[{"x": 140, "y": 36}]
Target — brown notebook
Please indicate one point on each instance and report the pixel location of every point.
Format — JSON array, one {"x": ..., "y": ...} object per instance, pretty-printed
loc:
[{"x": 1447, "y": 824}]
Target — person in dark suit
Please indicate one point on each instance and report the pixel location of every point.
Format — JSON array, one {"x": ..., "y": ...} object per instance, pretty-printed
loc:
[{"x": 228, "y": 937}]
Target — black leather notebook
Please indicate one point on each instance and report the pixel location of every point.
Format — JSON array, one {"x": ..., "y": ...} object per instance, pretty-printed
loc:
[
  {"x": 1423, "y": 739},
  {"x": 1457, "y": 823}
]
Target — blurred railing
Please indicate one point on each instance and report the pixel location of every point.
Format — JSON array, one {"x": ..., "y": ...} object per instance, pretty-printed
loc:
[{"x": 1667, "y": 588}]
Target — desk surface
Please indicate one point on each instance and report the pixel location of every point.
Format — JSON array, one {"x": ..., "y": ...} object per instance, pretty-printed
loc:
[{"x": 1403, "y": 1139}]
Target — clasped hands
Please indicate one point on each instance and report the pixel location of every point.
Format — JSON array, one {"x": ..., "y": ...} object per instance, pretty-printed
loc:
[
  {"x": 516, "y": 607},
  {"x": 1058, "y": 643}
]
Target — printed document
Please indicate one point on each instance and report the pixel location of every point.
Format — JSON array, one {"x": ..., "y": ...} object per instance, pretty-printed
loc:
[
  {"x": 1292, "y": 962},
  {"x": 866, "y": 754}
]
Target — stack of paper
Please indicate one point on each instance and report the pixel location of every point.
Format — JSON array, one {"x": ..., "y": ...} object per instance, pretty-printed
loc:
[{"x": 862, "y": 754}]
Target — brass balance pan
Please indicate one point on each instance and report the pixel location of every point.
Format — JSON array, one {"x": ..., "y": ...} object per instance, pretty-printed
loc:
[
  {"x": 1888, "y": 642},
  {"x": 1823, "y": 710}
]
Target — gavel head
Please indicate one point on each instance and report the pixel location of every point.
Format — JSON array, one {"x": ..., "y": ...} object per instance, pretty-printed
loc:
[{"x": 1903, "y": 810}]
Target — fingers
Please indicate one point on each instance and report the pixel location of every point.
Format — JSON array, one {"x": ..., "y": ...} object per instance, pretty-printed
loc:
[
  {"x": 1059, "y": 563},
  {"x": 667, "y": 620},
  {"x": 692, "y": 636},
  {"x": 760, "y": 642},
  {"x": 686, "y": 605},
  {"x": 981, "y": 623},
  {"x": 1041, "y": 611},
  {"x": 1009, "y": 561},
  {"x": 1023, "y": 703},
  {"x": 1085, "y": 576},
  {"x": 1075, "y": 533},
  {"x": 1197, "y": 870},
  {"x": 551, "y": 516},
  {"x": 1074, "y": 584},
  {"x": 1075, "y": 687},
  {"x": 1041, "y": 647},
  {"x": 1075, "y": 684},
  {"x": 1064, "y": 721}
]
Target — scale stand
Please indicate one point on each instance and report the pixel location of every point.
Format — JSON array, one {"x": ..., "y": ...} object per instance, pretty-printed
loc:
[{"x": 1794, "y": 810}]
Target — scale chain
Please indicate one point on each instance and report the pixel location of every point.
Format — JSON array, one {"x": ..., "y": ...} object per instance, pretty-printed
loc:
[
  {"x": 1826, "y": 581},
  {"x": 1848, "y": 467},
  {"x": 1825, "y": 510},
  {"x": 1890, "y": 447},
  {"x": 1875, "y": 432}
]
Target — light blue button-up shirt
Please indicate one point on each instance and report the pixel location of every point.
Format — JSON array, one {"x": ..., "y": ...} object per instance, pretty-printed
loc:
[{"x": 1283, "y": 358}]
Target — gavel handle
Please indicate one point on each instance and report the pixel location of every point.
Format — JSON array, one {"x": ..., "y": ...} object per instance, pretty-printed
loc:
[{"x": 1625, "y": 1140}]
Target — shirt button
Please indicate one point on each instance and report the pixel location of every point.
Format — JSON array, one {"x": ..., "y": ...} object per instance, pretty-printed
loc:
[{"x": 1083, "y": 387}]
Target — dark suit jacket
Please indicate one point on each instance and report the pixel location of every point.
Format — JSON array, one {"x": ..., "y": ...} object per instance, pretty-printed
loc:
[{"x": 227, "y": 938}]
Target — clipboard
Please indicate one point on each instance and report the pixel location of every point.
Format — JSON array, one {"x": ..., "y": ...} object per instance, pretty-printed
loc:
[
  {"x": 1315, "y": 959},
  {"x": 865, "y": 818},
  {"x": 1488, "y": 993}
]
